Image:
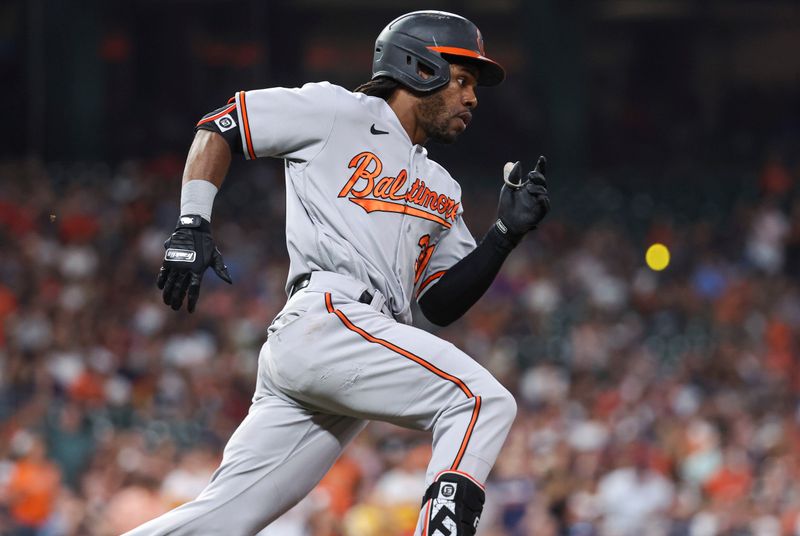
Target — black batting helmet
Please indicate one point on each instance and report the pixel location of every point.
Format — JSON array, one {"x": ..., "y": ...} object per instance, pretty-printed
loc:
[{"x": 432, "y": 39}]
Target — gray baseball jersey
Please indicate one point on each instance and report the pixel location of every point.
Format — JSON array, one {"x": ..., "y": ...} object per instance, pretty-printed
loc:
[
  {"x": 367, "y": 212},
  {"x": 361, "y": 199}
]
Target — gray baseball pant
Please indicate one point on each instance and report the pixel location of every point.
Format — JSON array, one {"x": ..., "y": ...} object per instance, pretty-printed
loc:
[{"x": 330, "y": 364}]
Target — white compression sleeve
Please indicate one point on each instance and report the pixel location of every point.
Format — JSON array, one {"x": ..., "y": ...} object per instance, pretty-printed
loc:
[{"x": 197, "y": 197}]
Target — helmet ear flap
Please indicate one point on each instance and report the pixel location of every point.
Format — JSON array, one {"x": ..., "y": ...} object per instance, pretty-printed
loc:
[
  {"x": 425, "y": 70},
  {"x": 403, "y": 57},
  {"x": 431, "y": 37}
]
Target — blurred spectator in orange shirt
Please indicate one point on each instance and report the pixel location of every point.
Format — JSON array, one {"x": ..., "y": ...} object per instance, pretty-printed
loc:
[
  {"x": 33, "y": 485},
  {"x": 341, "y": 484},
  {"x": 733, "y": 480}
]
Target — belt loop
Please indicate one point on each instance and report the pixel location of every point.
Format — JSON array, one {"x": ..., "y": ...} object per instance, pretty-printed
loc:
[
  {"x": 378, "y": 301},
  {"x": 300, "y": 283}
]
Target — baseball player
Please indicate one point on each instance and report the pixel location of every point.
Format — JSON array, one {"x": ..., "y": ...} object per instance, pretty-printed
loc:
[{"x": 372, "y": 225}]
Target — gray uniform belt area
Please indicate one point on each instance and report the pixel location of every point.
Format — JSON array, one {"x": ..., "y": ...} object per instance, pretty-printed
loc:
[{"x": 304, "y": 280}]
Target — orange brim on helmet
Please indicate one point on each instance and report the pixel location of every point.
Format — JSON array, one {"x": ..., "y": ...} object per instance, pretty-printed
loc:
[
  {"x": 490, "y": 72},
  {"x": 416, "y": 49}
]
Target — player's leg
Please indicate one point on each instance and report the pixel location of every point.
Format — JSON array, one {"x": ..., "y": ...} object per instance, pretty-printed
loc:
[
  {"x": 368, "y": 366},
  {"x": 276, "y": 456},
  {"x": 451, "y": 506},
  {"x": 467, "y": 409}
]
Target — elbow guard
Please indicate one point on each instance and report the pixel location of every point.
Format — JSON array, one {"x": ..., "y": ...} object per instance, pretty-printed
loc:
[{"x": 223, "y": 121}]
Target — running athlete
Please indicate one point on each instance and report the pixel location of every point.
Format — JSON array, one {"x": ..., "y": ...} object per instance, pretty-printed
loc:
[{"x": 372, "y": 225}]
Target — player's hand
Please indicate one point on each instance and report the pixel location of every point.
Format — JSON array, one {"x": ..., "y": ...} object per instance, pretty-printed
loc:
[
  {"x": 190, "y": 250},
  {"x": 524, "y": 201}
]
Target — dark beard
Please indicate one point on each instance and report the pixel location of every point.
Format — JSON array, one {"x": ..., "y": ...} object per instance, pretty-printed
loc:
[{"x": 435, "y": 119}]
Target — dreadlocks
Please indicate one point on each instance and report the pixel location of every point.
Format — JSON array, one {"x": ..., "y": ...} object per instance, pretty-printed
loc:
[{"x": 381, "y": 87}]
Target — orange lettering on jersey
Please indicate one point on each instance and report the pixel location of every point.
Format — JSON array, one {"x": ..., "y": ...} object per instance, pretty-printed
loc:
[
  {"x": 383, "y": 186},
  {"x": 397, "y": 184},
  {"x": 362, "y": 162},
  {"x": 412, "y": 192},
  {"x": 442, "y": 204},
  {"x": 424, "y": 258},
  {"x": 419, "y": 195},
  {"x": 382, "y": 194}
]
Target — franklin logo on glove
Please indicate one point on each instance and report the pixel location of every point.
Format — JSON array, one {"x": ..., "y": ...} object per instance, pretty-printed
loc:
[
  {"x": 180, "y": 255},
  {"x": 190, "y": 251}
]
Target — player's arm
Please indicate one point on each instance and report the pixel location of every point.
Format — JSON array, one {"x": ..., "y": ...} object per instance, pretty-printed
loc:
[
  {"x": 190, "y": 249},
  {"x": 523, "y": 204},
  {"x": 208, "y": 160},
  {"x": 273, "y": 122},
  {"x": 466, "y": 281}
]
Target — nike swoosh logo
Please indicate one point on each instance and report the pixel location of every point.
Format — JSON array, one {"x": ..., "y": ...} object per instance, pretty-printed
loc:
[{"x": 375, "y": 131}]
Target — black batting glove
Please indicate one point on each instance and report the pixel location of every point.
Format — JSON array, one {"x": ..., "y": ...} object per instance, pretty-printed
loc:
[
  {"x": 524, "y": 201},
  {"x": 190, "y": 250}
]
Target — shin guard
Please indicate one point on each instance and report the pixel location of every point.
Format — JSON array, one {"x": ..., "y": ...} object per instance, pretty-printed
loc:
[{"x": 452, "y": 505}]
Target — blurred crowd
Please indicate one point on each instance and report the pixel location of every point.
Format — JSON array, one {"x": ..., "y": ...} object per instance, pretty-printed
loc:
[{"x": 650, "y": 403}]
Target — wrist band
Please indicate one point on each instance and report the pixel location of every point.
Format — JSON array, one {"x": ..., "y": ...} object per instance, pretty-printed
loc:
[
  {"x": 504, "y": 233},
  {"x": 197, "y": 197}
]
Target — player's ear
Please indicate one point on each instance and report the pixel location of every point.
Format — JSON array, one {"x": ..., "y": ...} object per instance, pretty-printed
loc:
[{"x": 424, "y": 71}]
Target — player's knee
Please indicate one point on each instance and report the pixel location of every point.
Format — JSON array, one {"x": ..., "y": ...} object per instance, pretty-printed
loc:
[
  {"x": 510, "y": 405},
  {"x": 501, "y": 404}
]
